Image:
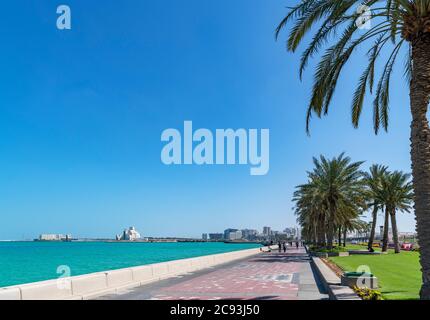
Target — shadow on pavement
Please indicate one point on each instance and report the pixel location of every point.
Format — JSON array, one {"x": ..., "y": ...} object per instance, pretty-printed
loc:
[{"x": 280, "y": 257}]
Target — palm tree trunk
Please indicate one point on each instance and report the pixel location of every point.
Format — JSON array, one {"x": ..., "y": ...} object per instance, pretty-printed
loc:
[
  {"x": 420, "y": 151},
  {"x": 330, "y": 235},
  {"x": 339, "y": 236},
  {"x": 372, "y": 232},
  {"x": 344, "y": 237},
  {"x": 386, "y": 226},
  {"x": 321, "y": 233},
  {"x": 315, "y": 236},
  {"x": 330, "y": 229},
  {"x": 395, "y": 234}
]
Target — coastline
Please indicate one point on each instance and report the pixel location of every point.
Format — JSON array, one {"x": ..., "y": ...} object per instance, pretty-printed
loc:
[
  {"x": 91, "y": 285},
  {"x": 30, "y": 262}
]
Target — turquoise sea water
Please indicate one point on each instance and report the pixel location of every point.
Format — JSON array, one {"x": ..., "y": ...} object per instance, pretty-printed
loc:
[{"x": 24, "y": 262}]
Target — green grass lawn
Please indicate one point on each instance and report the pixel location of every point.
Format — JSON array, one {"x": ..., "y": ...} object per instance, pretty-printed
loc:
[{"x": 399, "y": 275}]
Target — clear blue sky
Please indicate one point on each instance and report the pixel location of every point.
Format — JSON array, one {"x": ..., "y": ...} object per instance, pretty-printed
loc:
[{"x": 81, "y": 113}]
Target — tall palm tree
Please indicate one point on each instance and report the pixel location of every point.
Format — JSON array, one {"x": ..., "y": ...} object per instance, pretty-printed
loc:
[
  {"x": 396, "y": 194},
  {"x": 311, "y": 212},
  {"x": 373, "y": 185},
  {"x": 395, "y": 24}
]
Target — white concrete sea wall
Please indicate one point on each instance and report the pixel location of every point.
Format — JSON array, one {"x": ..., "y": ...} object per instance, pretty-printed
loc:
[
  {"x": 10, "y": 294},
  {"x": 95, "y": 284},
  {"x": 46, "y": 290}
]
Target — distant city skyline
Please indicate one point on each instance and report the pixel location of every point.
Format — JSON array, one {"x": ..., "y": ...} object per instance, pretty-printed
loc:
[{"x": 198, "y": 235}]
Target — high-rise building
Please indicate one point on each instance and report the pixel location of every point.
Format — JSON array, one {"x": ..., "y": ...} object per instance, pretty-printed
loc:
[
  {"x": 266, "y": 231},
  {"x": 205, "y": 236}
]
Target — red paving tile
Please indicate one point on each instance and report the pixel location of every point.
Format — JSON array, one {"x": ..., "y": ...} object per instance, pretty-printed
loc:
[{"x": 268, "y": 276}]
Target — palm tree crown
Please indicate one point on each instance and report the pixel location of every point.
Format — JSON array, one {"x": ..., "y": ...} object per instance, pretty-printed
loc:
[
  {"x": 393, "y": 25},
  {"x": 396, "y": 191}
]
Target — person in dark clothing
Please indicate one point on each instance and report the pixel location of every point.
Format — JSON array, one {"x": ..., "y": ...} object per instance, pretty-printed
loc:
[
  {"x": 297, "y": 244},
  {"x": 279, "y": 246},
  {"x": 284, "y": 245}
]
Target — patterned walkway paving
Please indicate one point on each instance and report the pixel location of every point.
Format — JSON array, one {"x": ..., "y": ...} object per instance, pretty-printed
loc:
[{"x": 267, "y": 276}]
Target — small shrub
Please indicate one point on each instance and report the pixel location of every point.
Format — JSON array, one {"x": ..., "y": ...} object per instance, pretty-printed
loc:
[{"x": 368, "y": 294}]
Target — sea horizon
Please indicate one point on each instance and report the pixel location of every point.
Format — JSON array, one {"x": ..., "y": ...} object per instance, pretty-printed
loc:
[{"x": 25, "y": 262}]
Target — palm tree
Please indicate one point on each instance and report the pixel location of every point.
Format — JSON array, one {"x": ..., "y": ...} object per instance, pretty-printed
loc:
[
  {"x": 395, "y": 24},
  {"x": 396, "y": 194},
  {"x": 331, "y": 197},
  {"x": 373, "y": 185},
  {"x": 311, "y": 213}
]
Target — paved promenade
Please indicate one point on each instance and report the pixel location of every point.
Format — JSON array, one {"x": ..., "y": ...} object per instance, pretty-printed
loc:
[{"x": 267, "y": 276}]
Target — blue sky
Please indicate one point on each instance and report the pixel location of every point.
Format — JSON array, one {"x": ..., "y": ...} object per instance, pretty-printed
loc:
[{"x": 82, "y": 111}]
